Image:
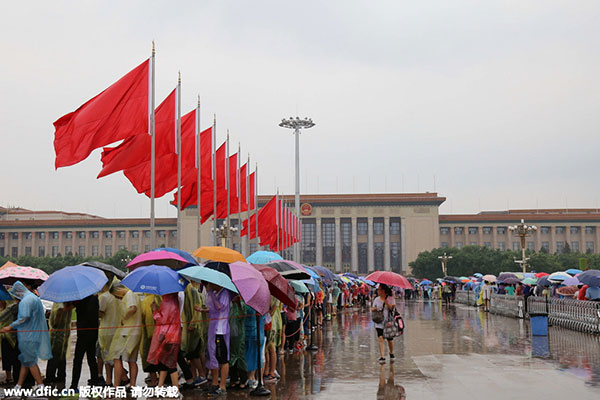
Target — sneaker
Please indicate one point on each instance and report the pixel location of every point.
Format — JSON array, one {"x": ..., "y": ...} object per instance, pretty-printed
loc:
[
  {"x": 392, "y": 356},
  {"x": 252, "y": 384},
  {"x": 187, "y": 386},
  {"x": 216, "y": 392},
  {"x": 276, "y": 374},
  {"x": 270, "y": 379},
  {"x": 199, "y": 381},
  {"x": 381, "y": 360}
]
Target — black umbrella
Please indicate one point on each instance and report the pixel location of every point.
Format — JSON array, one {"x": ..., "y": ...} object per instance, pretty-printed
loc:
[
  {"x": 106, "y": 268},
  {"x": 219, "y": 266},
  {"x": 452, "y": 279},
  {"x": 288, "y": 270}
]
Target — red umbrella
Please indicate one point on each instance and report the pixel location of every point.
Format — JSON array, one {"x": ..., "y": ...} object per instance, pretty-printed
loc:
[
  {"x": 541, "y": 274},
  {"x": 390, "y": 278},
  {"x": 278, "y": 285}
]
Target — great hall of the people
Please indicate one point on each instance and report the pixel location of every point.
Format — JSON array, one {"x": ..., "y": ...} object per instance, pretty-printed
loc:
[{"x": 345, "y": 232}]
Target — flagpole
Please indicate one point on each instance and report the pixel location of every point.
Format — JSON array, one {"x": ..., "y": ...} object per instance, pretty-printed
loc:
[
  {"x": 227, "y": 183},
  {"x": 152, "y": 150},
  {"x": 178, "y": 130},
  {"x": 198, "y": 167},
  {"x": 238, "y": 184},
  {"x": 214, "y": 175}
]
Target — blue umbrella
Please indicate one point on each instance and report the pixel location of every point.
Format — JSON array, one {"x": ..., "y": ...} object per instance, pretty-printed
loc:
[
  {"x": 368, "y": 282},
  {"x": 573, "y": 271},
  {"x": 181, "y": 253},
  {"x": 72, "y": 283},
  {"x": 478, "y": 275},
  {"x": 351, "y": 275},
  {"x": 325, "y": 273},
  {"x": 4, "y": 295},
  {"x": 263, "y": 257},
  {"x": 199, "y": 274},
  {"x": 590, "y": 277},
  {"x": 312, "y": 284},
  {"x": 155, "y": 279},
  {"x": 425, "y": 282},
  {"x": 313, "y": 274},
  {"x": 543, "y": 281}
]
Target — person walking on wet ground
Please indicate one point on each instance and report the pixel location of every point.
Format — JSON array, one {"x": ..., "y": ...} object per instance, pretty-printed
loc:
[
  {"x": 487, "y": 296},
  {"x": 385, "y": 303}
]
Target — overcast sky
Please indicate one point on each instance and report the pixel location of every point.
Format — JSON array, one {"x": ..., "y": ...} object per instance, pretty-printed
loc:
[{"x": 495, "y": 101}]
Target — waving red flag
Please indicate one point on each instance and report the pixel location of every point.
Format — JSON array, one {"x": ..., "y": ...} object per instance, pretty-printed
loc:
[
  {"x": 221, "y": 162},
  {"x": 244, "y": 188},
  {"x": 233, "y": 184},
  {"x": 252, "y": 180},
  {"x": 135, "y": 150},
  {"x": 118, "y": 112}
]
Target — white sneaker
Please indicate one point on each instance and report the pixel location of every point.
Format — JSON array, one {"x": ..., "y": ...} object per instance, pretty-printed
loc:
[
  {"x": 252, "y": 384},
  {"x": 276, "y": 374}
]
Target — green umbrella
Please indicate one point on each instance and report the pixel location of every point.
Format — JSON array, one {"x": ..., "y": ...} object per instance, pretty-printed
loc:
[
  {"x": 529, "y": 281},
  {"x": 299, "y": 287},
  {"x": 200, "y": 274}
]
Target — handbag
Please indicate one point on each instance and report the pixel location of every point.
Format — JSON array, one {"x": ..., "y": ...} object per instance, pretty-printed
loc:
[
  {"x": 377, "y": 316},
  {"x": 394, "y": 326}
]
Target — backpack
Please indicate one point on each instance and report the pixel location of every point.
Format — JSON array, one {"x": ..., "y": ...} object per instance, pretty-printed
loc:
[{"x": 394, "y": 326}]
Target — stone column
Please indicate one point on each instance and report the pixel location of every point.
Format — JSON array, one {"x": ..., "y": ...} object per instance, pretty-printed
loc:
[
  {"x": 114, "y": 242},
  {"x": 494, "y": 237},
  {"x": 338, "y": 245},
  {"x": 370, "y": 246},
  {"x": 552, "y": 248},
  {"x": 20, "y": 249},
  {"x": 354, "y": 245},
  {"x": 386, "y": 244},
  {"x": 319, "y": 242},
  {"x": 582, "y": 247},
  {"x": 88, "y": 249},
  {"x": 47, "y": 244},
  {"x": 568, "y": 235},
  {"x": 61, "y": 250},
  {"x": 73, "y": 249},
  {"x": 451, "y": 242},
  {"x": 597, "y": 241},
  {"x": 34, "y": 250}
]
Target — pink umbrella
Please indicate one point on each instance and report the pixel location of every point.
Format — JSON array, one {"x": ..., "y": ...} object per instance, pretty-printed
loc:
[
  {"x": 251, "y": 285},
  {"x": 389, "y": 278},
  {"x": 162, "y": 257},
  {"x": 10, "y": 275}
]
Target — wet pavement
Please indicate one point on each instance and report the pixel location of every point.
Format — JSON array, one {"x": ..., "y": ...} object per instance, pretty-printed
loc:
[{"x": 450, "y": 352}]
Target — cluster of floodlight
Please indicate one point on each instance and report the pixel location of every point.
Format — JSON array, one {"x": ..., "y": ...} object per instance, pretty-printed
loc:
[
  {"x": 297, "y": 123},
  {"x": 523, "y": 228}
]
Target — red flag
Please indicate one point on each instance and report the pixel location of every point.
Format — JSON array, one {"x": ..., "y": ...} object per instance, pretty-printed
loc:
[
  {"x": 135, "y": 150},
  {"x": 221, "y": 162},
  {"x": 233, "y": 184},
  {"x": 166, "y": 165},
  {"x": 244, "y": 188},
  {"x": 118, "y": 112},
  {"x": 253, "y": 190}
]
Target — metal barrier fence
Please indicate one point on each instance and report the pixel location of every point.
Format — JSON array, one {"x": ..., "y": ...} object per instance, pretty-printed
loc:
[{"x": 583, "y": 316}]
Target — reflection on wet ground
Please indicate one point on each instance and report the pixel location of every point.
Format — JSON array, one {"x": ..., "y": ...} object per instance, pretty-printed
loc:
[{"x": 446, "y": 353}]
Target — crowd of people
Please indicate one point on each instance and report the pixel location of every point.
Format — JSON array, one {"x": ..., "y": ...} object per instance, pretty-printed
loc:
[{"x": 206, "y": 333}]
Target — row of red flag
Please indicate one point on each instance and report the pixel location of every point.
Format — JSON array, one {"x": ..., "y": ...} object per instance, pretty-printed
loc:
[{"x": 122, "y": 112}]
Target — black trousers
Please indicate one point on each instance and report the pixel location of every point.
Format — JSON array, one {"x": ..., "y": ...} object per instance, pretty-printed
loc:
[
  {"x": 185, "y": 368},
  {"x": 85, "y": 345},
  {"x": 10, "y": 359},
  {"x": 56, "y": 369}
]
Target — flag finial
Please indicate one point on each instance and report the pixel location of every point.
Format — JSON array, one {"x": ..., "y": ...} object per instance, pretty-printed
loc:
[
  {"x": 153, "y": 48},
  {"x": 198, "y": 100},
  {"x": 215, "y": 118},
  {"x": 179, "y": 77}
]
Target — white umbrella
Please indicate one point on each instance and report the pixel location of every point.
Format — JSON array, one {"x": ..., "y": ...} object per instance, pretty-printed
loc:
[
  {"x": 558, "y": 277},
  {"x": 489, "y": 278}
]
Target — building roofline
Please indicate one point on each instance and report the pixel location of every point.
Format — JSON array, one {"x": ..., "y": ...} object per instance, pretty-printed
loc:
[
  {"x": 363, "y": 199},
  {"x": 88, "y": 223}
]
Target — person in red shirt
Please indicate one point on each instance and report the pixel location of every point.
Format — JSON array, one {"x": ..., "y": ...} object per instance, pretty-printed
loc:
[{"x": 582, "y": 291}]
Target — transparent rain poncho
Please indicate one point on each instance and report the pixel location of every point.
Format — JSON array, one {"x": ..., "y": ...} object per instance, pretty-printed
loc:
[{"x": 31, "y": 327}]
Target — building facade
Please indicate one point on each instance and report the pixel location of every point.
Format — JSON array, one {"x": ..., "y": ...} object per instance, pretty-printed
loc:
[
  {"x": 579, "y": 228},
  {"x": 347, "y": 232}
]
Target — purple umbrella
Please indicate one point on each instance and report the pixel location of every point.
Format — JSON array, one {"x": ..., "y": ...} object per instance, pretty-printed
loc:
[
  {"x": 163, "y": 257},
  {"x": 251, "y": 285},
  {"x": 571, "y": 281}
]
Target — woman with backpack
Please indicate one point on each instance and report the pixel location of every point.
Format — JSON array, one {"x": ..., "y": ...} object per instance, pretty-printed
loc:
[{"x": 382, "y": 307}]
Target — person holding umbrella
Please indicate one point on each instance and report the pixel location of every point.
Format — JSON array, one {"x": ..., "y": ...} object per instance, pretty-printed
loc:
[
  {"x": 32, "y": 333},
  {"x": 60, "y": 325},
  {"x": 87, "y": 311},
  {"x": 166, "y": 340},
  {"x": 125, "y": 345},
  {"x": 218, "y": 300},
  {"x": 384, "y": 302},
  {"x": 108, "y": 312}
]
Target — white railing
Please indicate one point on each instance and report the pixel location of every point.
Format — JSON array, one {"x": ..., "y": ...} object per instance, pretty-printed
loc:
[{"x": 583, "y": 316}]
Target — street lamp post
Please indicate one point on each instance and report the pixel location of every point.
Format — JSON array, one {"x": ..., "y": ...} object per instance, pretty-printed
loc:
[
  {"x": 523, "y": 231},
  {"x": 224, "y": 232},
  {"x": 444, "y": 260},
  {"x": 296, "y": 124}
]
